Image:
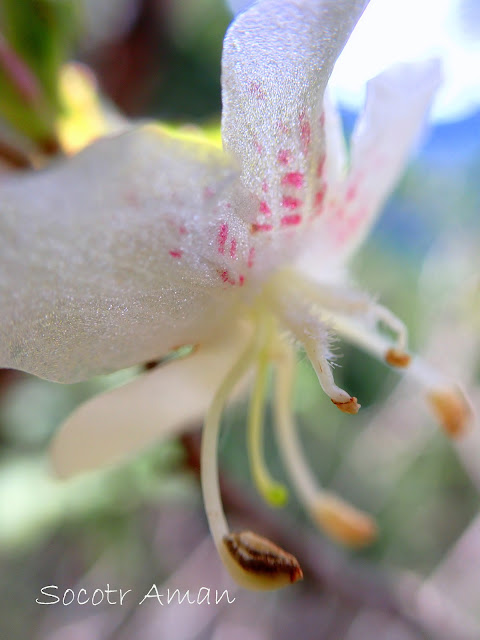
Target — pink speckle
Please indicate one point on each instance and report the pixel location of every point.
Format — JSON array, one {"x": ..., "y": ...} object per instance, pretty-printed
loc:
[
  {"x": 265, "y": 187},
  {"x": 284, "y": 156},
  {"x": 258, "y": 147},
  {"x": 305, "y": 132},
  {"x": 222, "y": 237},
  {"x": 226, "y": 277},
  {"x": 291, "y": 203},
  {"x": 241, "y": 280},
  {"x": 208, "y": 193},
  {"x": 182, "y": 229},
  {"x": 261, "y": 227},
  {"x": 283, "y": 127},
  {"x": 293, "y": 179},
  {"x": 322, "y": 119},
  {"x": 291, "y": 220},
  {"x": 265, "y": 209},
  {"x": 351, "y": 193},
  {"x": 350, "y": 226},
  {"x": 251, "y": 257},
  {"x": 319, "y": 197},
  {"x": 233, "y": 249},
  {"x": 132, "y": 199},
  {"x": 176, "y": 253},
  {"x": 257, "y": 91},
  {"x": 320, "y": 166}
]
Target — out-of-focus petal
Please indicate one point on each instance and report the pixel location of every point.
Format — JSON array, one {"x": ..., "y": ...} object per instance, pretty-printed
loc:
[
  {"x": 336, "y": 158},
  {"x": 118, "y": 424},
  {"x": 115, "y": 256},
  {"x": 237, "y": 6},
  {"x": 85, "y": 116},
  {"x": 277, "y": 58},
  {"x": 397, "y": 104}
]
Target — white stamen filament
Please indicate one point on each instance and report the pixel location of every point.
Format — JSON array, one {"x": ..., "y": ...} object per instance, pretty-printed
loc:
[
  {"x": 303, "y": 480},
  {"x": 209, "y": 466},
  {"x": 390, "y": 320},
  {"x": 348, "y": 302},
  {"x": 338, "y": 519},
  {"x": 294, "y": 308},
  {"x": 447, "y": 401},
  {"x": 253, "y": 561}
]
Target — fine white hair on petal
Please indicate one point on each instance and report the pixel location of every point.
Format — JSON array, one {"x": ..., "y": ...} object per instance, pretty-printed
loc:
[
  {"x": 117, "y": 424},
  {"x": 397, "y": 104},
  {"x": 114, "y": 257},
  {"x": 277, "y": 58}
]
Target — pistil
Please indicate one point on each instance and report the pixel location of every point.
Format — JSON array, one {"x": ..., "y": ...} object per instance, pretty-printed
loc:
[{"x": 272, "y": 491}]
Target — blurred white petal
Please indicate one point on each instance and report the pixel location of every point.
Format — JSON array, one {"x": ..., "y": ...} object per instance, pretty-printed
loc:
[
  {"x": 160, "y": 404},
  {"x": 237, "y": 6},
  {"x": 436, "y": 28},
  {"x": 398, "y": 101},
  {"x": 396, "y": 109}
]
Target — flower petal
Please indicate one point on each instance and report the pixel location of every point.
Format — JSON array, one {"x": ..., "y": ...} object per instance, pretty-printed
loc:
[
  {"x": 277, "y": 58},
  {"x": 161, "y": 403},
  {"x": 110, "y": 258},
  {"x": 397, "y": 103},
  {"x": 237, "y": 6},
  {"x": 336, "y": 159}
]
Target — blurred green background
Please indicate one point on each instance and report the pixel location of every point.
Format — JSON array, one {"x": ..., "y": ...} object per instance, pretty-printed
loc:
[{"x": 144, "y": 522}]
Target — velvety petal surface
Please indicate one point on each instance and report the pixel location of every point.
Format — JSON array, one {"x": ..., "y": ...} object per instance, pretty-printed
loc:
[
  {"x": 161, "y": 403},
  {"x": 277, "y": 59},
  {"x": 117, "y": 255}
]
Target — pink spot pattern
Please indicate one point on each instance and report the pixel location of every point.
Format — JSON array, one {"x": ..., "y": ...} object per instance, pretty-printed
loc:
[
  {"x": 261, "y": 227},
  {"x": 320, "y": 166},
  {"x": 233, "y": 249},
  {"x": 222, "y": 238},
  {"x": 305, "y": 132},
  {"x": 291, "y": 220},
  {"x": 289, "y": 202},
  {"x": 208, "y": 193},
  {"x": 258, "y": 147},
  {"x": 227, "y": 278},
  {"x": 351, "y": 193},
  {"x": 284, "y": 156},
  {"x": 251, "y": 257},
  {"x": 265, "y": 209},
  {"x": 176, "y": 253},
  {"x": 319, "y": 198},
  {"x": 257, "y": 91},
  {"x": 293, "y": 179}
]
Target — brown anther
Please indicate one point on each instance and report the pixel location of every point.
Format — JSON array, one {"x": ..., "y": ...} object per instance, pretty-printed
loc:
[
  {"x": 260, "y": 564},
  {"x": 350, "y": 406},
  {"x": 343, "y": 523},
  {"x": 451, "y": 409},
  {"x": 397, "y": 358}
]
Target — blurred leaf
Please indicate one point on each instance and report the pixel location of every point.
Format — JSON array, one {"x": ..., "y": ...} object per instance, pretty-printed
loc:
[{"x": 36, "y": 39}]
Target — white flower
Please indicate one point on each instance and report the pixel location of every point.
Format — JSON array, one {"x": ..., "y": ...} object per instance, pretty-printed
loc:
[{"x": 147, "y": 241}]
